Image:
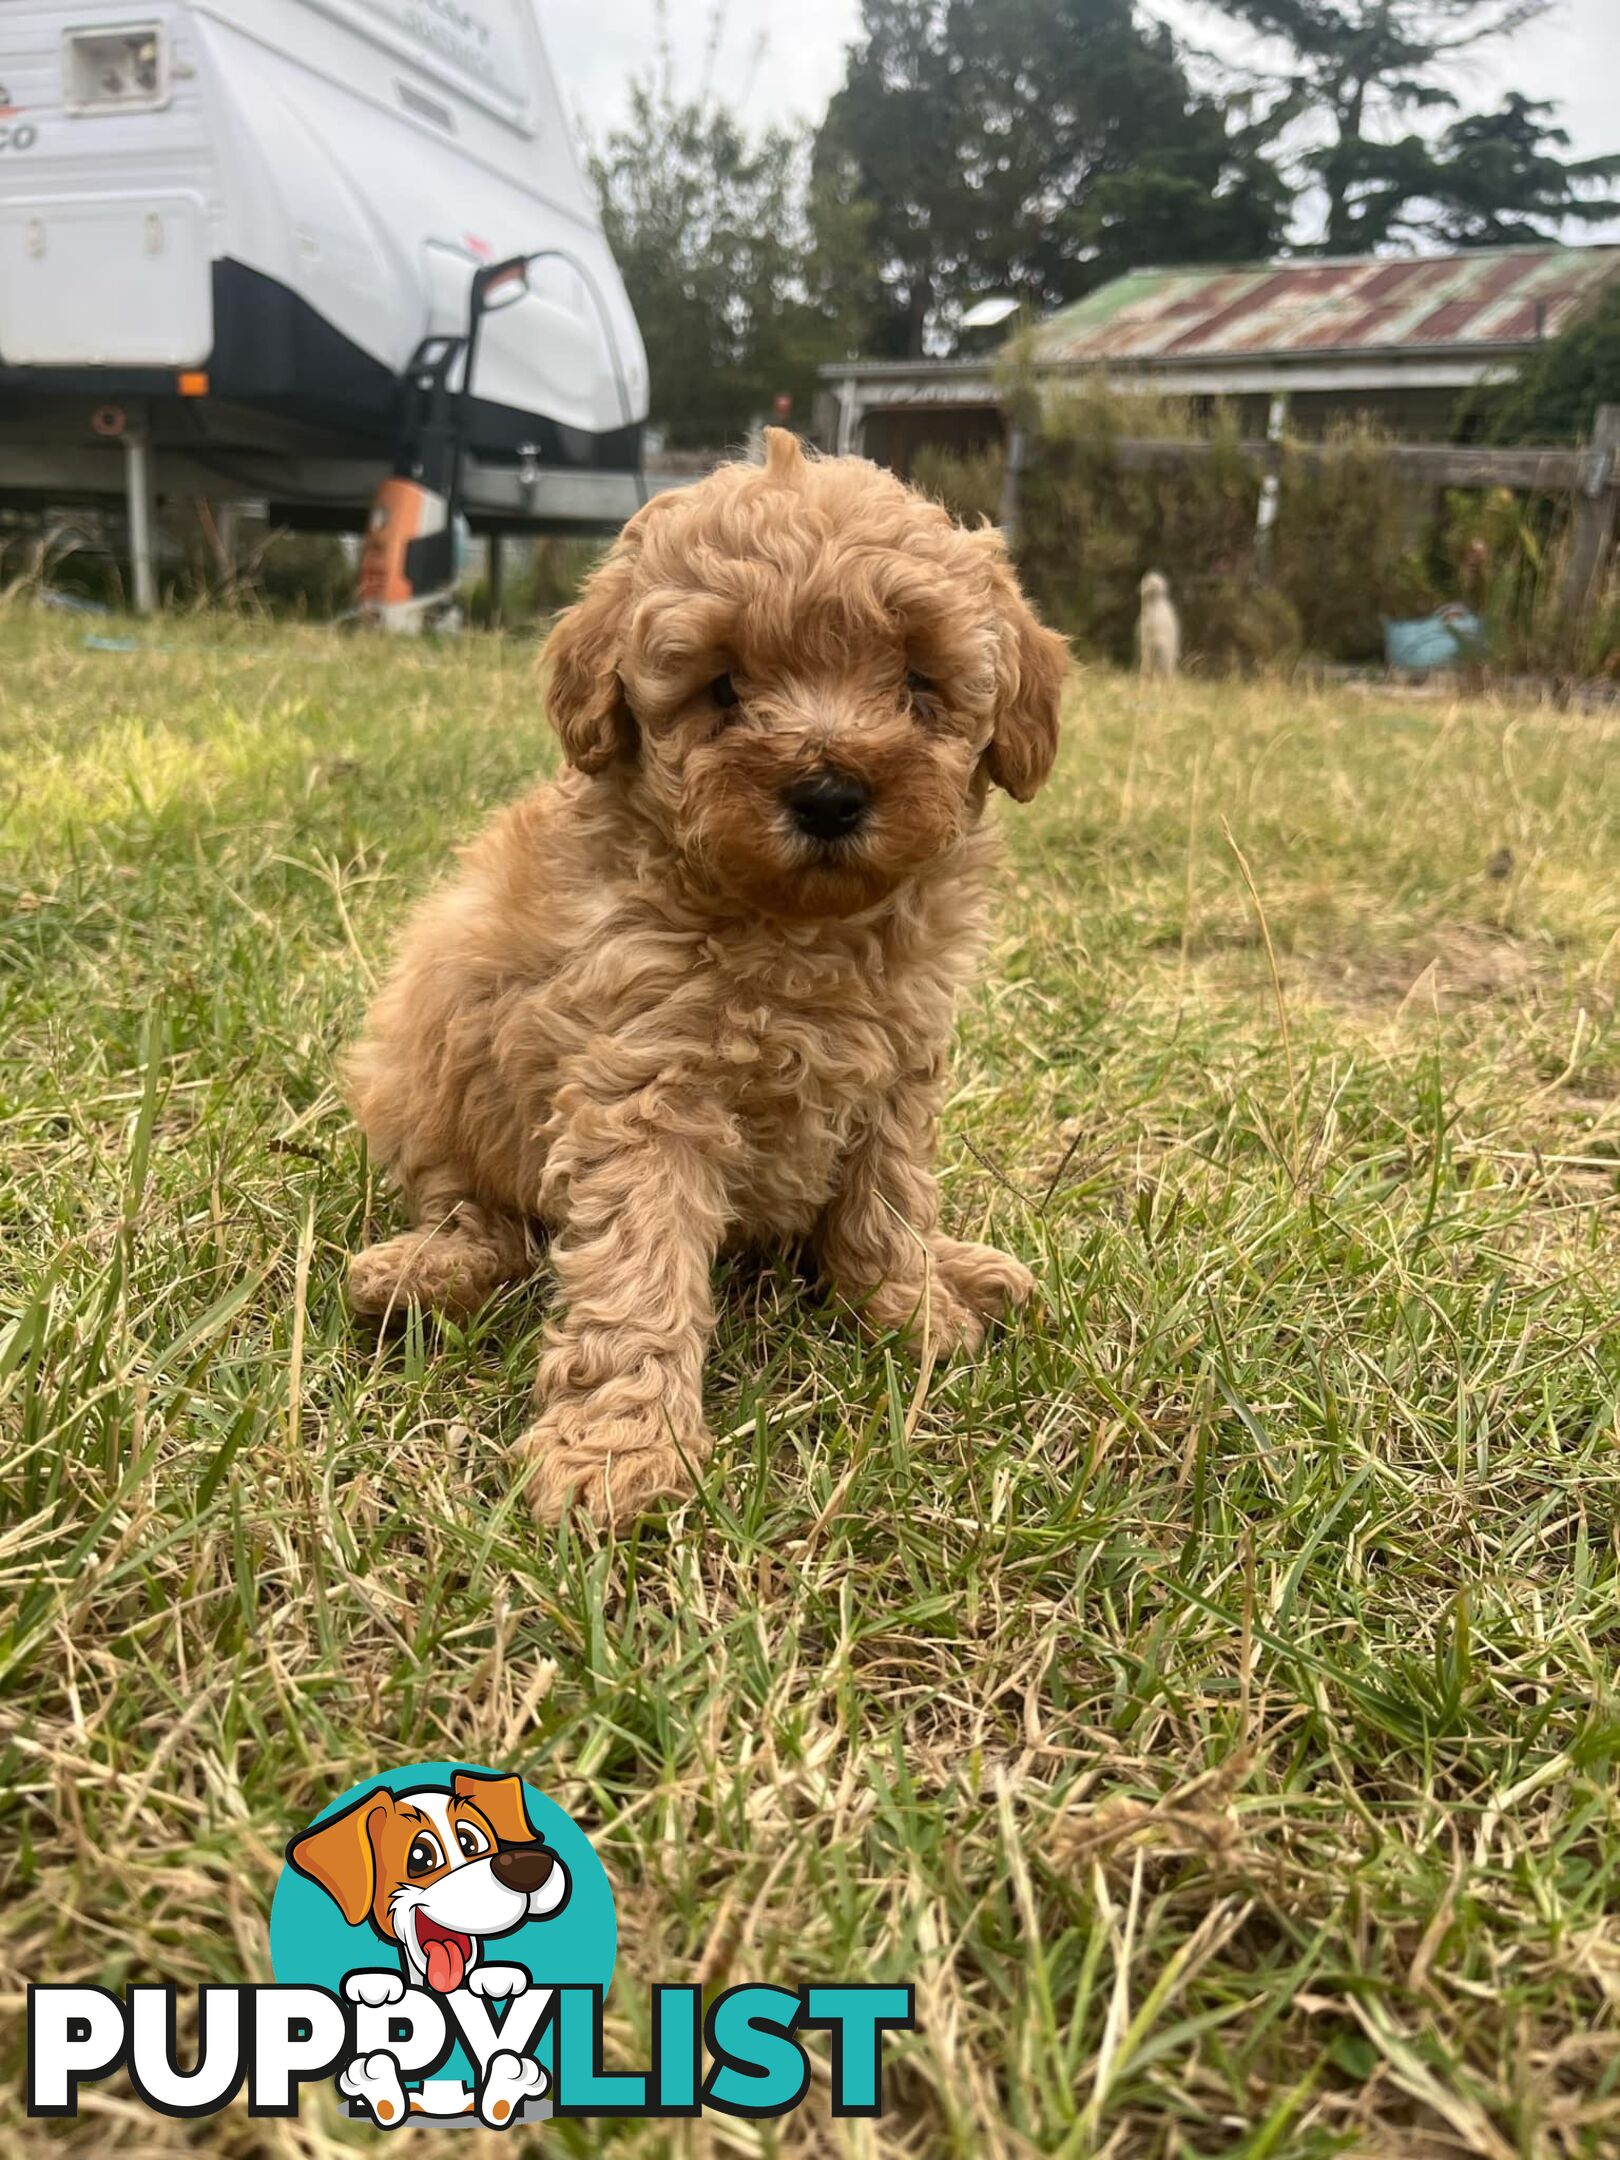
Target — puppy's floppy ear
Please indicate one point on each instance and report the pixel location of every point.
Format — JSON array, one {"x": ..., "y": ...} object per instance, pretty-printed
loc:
[
  {"x": 585, "y": 697},
  {"x": 500, "y": 1801},
  {"x": 1033, "y": 671},
  {"x": 339, "y": 1855}
]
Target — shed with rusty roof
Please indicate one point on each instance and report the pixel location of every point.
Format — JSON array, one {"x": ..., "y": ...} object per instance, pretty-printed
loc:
[{"x": 1403, "y": 341}]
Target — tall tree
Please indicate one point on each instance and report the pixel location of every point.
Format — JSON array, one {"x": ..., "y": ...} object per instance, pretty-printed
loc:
[
  {"x": 1031, "y": 146},
  {"x": 738, "y": 303},
  {"x": 1357, "y": 76}
]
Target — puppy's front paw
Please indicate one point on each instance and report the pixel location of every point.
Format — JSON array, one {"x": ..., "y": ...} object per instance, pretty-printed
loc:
[
  {"x": 444, "y": 1270},
  {"x": 927, "y": 1315},
  {"x": 498, "y": 1983},
  {"x": 614, "y": 1467},
  {"x": 377, "y": 1990},
  {"x": 992, "y": 1283},
  {"x": 437, "y": 1272},
  {"x": 378, "y": 1279},
  {"x": 949, "y": 1314},
  {"x": 944, "y": 1325}
]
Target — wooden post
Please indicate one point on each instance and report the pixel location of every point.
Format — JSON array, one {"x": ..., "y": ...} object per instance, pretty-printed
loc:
[
  {"x": 849, "y": 419},
  {"x": 1271, "y": 486},
  {"x": 1597, "y": 494},
  {"x": 1012, "y": 485}
]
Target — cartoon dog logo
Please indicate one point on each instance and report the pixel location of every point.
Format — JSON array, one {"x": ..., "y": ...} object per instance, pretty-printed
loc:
[{"x": 437, "y": 1873}]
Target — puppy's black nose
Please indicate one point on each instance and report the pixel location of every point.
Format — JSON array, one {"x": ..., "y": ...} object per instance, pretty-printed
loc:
[
  {"x": 521, "y": 1867},
  {"x": 829, "y": 805}
]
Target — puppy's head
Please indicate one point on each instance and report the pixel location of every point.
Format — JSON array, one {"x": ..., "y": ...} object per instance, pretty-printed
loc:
[
  {"x": 1155, "y": 586},
  {"x": 810, "y": 676},
  {"x": 436, "y": 1871}
]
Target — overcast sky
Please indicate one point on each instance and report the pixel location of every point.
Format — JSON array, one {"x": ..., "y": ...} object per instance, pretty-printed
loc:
[{"x": 782, "y": 59}]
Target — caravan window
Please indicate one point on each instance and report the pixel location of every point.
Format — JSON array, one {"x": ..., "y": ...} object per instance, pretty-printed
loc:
[{"x": 117, "y": 67}]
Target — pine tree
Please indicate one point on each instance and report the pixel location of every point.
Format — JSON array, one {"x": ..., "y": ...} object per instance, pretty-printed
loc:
[
  {"x": 1361, "y": 71},
  {"x": 1035, "y": 147}
]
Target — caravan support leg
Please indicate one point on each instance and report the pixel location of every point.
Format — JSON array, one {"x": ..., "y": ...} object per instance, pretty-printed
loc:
[{"x": 138, "y": 490}]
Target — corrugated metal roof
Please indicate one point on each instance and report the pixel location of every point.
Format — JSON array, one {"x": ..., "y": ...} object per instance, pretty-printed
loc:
[{"x": 1489, "y": 297}]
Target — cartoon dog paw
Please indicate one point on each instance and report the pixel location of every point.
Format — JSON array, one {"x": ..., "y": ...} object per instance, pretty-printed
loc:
[
  {"x": 511, "y": 2080},
  {"x": 374, "y": 2081},
  {"x": 377, "y": 1990},
  {"x": 497, "y": 1983}
]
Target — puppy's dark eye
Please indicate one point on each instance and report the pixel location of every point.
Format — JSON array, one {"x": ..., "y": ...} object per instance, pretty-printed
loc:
[
  {"x": 424, "y": 1855},
  {"x": 724, "y": 692},
  {"x": 922, "y": 692}
]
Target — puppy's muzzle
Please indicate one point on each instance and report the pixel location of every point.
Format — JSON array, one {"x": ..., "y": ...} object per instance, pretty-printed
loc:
[
  {"x": 523, "y": 1868},
  {"x": 830, "y": 805}
]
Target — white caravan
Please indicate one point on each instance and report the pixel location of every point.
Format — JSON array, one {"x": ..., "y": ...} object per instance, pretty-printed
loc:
[{"x": 227, "y": 225}]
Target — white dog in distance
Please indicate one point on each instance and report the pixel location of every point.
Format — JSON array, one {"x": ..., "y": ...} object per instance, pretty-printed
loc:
[{"x": 1160, "y": 629}]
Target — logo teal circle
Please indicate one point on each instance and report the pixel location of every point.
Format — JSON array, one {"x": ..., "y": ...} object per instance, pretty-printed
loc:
[{"x": 313, "y": 1945}]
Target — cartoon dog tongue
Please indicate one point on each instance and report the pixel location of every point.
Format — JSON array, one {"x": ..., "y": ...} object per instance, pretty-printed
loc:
[{"x": 446, "y": 1963}]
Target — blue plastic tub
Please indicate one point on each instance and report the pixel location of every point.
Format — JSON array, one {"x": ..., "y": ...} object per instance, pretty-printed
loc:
[{"x": 1443, "y": 640}]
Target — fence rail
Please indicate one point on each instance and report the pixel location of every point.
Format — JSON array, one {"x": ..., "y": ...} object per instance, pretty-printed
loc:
[
  {"x": 1590, "y": 476},
  {"x": 1550, "y": 472}
]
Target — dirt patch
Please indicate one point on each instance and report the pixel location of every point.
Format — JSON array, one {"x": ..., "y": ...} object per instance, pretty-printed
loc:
[{"x": 1458, "y": 965}]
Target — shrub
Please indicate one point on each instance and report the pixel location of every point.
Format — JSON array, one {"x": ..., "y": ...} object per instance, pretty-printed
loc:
[
  {"x": 1355, "y": 543},
  {"x": 542, "y": 582},
  {"x": 1344, "y": 544},
  {"x": 968, "y": 485},
  {"x": 1246, "y": 627},
  {"x": 1090, "y": 531},
  {"x": 307, "y": 575}
]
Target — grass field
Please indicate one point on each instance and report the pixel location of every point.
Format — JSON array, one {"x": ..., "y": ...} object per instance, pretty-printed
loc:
[{"x": 1207, "y": 1699}]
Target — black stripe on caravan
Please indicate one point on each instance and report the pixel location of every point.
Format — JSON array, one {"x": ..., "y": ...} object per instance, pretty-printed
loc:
[{"x": 274, "y": 354}]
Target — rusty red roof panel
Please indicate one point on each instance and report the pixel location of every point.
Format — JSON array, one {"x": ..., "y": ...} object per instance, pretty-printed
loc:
[
  {"x": 1520, "y": 326},
  {"x": 1225, "y": 322},
  {"x": 1388, "y": 280},
  {"x": 1486, "y": 297},
  {"x": 1447, "y": 324}
]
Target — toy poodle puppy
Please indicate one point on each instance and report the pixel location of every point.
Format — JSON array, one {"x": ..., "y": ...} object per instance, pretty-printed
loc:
[
  {"x": 699, "y": 991},
  {"x": 1159, "y": 631}
]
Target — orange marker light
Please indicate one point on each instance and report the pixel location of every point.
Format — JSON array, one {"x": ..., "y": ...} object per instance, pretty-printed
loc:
[{"x": 194, "y": 384}]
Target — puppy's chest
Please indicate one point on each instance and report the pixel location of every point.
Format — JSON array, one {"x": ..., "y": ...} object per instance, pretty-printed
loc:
[
  {"x": 799, "y": 1052},
  {"x": 811, "y": 1033}
]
